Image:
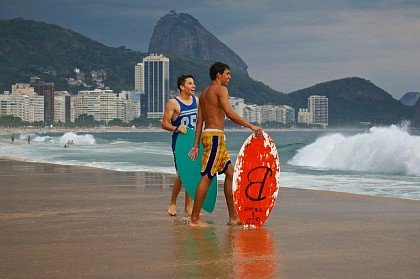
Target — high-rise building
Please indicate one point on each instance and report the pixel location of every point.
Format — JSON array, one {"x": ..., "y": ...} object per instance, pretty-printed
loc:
[
  {"x": 101, "y": 104},
  {"x": 156, "y": 86},
  {"x": 139, "y": 77},
  {"x": 318, "y": 106},
  {"x": 23, "y": 102},
  {"x": 63, "y": 107},
  {"x": 305, "y": 116},
  {"x": 238, "y": 105},
  {"x": 46, "y": 90}
]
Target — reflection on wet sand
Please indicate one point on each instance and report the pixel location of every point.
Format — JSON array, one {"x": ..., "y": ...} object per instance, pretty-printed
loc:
[
  {"x": 231, "y": 252},
  {"x": 255, "y": 254}
]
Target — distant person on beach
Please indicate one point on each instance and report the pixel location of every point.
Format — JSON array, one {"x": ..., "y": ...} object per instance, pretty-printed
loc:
[
  {"x": 213, "y": 107},
  {"x": 29, "y": 139},
  {"x": 186, "y": 103},
  {"x": 13, "y": 138}
]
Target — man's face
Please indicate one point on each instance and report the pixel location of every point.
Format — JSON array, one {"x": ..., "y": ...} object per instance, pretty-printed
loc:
[
  {"x": 189, "y": 86},
  {"x": 225, "y": 77}
]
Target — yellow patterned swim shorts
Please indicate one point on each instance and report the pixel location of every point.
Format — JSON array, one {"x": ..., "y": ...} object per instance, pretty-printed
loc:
[{"x": 215, "y": 158}]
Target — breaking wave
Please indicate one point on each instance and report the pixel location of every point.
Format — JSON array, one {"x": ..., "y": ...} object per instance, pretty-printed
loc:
[{"x": 389, "y": 150}]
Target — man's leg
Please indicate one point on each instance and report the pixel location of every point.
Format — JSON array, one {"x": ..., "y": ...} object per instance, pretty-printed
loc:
[
  {"x": 188, "y": 204},
  {"x": 233, "y": 218},
  {"x": 200, "y": 195},
  {"x": 175, "y": 192}
]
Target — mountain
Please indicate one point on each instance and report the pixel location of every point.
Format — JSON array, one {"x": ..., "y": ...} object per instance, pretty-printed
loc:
[
  {"x": 181, "y": 34},
  {"x": 353, "y": 100},
  {"x": 410, "y": 98}
]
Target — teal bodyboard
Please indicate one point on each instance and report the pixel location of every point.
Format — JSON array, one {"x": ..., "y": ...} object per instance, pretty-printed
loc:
[{"x": 190, "y": 170}]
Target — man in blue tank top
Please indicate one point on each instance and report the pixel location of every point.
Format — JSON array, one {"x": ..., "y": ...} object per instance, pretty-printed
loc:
[{"x": 180, "y": 112}]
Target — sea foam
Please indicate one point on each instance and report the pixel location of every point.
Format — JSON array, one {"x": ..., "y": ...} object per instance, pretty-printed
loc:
[
  {"x": 380, "y": 150},
  {"x": 86, "y": 139}
]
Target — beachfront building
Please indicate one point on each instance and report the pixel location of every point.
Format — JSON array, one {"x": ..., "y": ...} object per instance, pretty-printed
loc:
[
  {"x": 139, "y": 77},
  {"x": 318, "y": 106},
  {"x": 289, "y": 114},
  {"x": 22, "y": 102},
  {"x": 45, "y": 89},
  {"x": 252, "y": 113},
  {"x": 282, "y": 114},
  {"x": 100, "y": 103},
  {"x": 129, "y": 106},
  {"x": 63, "y": 107},
  {"x": 305, "y": 116},
  {"x": 156, "y": 85},
  {"x": 105, "y": 105},
  {"x": 238, "y": 105}
]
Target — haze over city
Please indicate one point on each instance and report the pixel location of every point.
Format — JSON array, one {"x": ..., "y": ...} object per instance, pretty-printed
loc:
[{"x": 289, "y": 45}]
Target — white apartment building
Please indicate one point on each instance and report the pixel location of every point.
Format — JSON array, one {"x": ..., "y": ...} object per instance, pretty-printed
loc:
[
  {"x": 129, "y": 107},
  {"x": 105, "y": 105},
  {"x": 100, "y": 103},
  {"x": 268, "y": 113},
  {"x": 23, "y": 102},
  {"x": 305, "y": 116},
  {"x": 318, "y": 106},
  {"x": 252, "y": 113},
  {"x": 283, "y": 114},
  {"x": 238, "y": 105}
]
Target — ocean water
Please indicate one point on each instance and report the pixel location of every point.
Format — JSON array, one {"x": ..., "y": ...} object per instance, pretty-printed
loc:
[{"x": 381, "y": 161}]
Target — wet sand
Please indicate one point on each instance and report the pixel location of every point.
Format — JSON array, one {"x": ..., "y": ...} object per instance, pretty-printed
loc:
[{"x": 73, "y": 222}]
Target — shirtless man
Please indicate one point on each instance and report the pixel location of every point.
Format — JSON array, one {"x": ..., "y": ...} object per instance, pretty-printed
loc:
[
  {"x": 173, "y": 121},
  {"x": 213, "y": 107}
]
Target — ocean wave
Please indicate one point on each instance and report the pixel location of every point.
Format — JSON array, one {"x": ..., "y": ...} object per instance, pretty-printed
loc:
[
  {"x": 380, "y": 150},
  {"x": 86, "y": 139}
]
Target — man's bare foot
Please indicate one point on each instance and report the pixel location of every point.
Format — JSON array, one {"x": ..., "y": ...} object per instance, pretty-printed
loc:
[
  {"x": 172, "y": 209},
  {"x": 234, "y": 222},
  {"x": 188, "y": 211},
  {"x": 197, "y": 223}
]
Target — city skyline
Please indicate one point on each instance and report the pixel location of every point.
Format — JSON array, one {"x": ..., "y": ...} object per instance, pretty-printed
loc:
[{"x": 288, "y": 45}]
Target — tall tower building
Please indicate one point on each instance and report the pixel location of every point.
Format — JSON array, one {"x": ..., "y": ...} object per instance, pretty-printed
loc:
[
  {"x": 46, "y": 90},
  {"x": 139, "y": 77},
  {"x": 156, "y": 85},
  {"x": 318, "y": 106}
]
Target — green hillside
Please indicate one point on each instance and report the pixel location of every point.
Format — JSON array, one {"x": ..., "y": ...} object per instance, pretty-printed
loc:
[{"x": 354, "y": 100}]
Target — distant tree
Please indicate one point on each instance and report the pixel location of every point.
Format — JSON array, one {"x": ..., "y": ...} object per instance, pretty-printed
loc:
[
  {"x": 11, "y": 121},
  {"x": 117, "y": 122},
  {"x": 145, "y": 122}
]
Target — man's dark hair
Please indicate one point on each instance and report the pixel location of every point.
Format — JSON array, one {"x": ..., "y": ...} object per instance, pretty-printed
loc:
[
  {"x": 216, "y": 68},
  {"x": 182, "y": 79}
]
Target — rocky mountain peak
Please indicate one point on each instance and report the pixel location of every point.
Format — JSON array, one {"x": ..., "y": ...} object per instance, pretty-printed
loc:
[{"x": 182, "y": 34}]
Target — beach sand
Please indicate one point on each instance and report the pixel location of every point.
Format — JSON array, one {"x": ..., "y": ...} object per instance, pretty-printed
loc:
[{"x": 73, "y": 222}]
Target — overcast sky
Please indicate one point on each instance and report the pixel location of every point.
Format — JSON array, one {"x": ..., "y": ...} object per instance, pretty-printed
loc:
[{"x": 287, "y": 44}]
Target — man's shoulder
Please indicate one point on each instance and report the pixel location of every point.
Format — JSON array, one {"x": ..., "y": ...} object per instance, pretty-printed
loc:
[
  {"x": 172, "y": 103},
  {"x": 217, "y": 88}
]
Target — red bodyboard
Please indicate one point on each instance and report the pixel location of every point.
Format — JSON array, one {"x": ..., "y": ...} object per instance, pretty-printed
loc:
[{"x": 256, "y": 180}]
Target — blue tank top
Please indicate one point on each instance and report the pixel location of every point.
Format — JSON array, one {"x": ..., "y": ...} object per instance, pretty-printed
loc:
[{"x": 186, "y": 117}]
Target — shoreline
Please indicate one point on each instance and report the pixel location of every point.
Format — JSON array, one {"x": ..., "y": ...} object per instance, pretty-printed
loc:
[
  {"x": 71, "y": 221},
  {"x": 5, "y": 131},
  {"x": 220, "y": 181}
]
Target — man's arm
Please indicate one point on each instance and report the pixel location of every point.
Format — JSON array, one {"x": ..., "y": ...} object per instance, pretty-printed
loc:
[
  {"x": 170, "y": 109},
  {"x": 232, "y": 115},
  {"x": 193, "y": 154}
]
